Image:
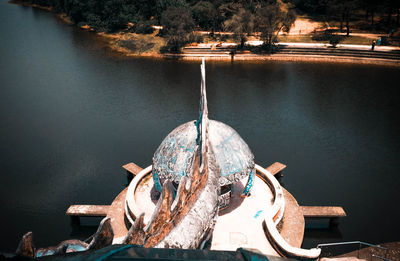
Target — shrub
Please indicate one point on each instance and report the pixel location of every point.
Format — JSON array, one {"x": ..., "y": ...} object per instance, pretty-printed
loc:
[
  {"x": 144, "y": 27},
  {"x": 327, "y": 35},
  {"x": 195, "y": 38},
  {"x": 335, "y": 39}
]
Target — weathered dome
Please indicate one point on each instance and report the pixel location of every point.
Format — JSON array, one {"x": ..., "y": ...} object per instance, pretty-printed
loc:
[{"x": 231, "y": 152}]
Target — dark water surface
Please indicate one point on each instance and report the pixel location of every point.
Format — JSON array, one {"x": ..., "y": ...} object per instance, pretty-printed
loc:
[{"x": 71, "y": 115}]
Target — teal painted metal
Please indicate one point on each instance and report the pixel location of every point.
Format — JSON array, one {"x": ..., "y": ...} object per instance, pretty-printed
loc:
[
  {"x": 249, "y": 185},
  {"x": 156, "y": 181},
  {"x": 258, "y": 214}
]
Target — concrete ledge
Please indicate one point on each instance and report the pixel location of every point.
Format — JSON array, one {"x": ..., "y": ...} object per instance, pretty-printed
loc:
[
  {"x": 276, "y": 168},
  {"x": 77, "y": 211},
  {"x": 319, "y": 212},
  {"x": 88, "y": 210},
  {"x": 132, "y": 168},
  {"x": 322, "y": 212}
]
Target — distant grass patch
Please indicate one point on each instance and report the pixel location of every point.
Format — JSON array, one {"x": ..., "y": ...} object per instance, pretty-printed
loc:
[
  {"x": 308, "y": 39},
  {"x": 356, "y": 40},
  {"x": 295, "y": 39},
  {"x": 139, "y": 43}
]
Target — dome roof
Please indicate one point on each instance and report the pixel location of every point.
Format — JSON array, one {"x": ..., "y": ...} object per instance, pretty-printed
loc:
[{"x": 231, "y": 152}]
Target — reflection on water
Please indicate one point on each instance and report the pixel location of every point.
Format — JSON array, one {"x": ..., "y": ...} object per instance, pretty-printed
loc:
[{"x": 71, "y": 115}]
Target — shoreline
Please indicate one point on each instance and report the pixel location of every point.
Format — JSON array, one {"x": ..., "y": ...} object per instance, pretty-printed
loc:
[
  {"x": 113, "y": 41},
  {"x": 284, "y": 57}
]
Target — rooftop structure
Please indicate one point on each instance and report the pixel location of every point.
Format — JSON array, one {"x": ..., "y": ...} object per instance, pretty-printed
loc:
[{"x": 204, "y": 171}]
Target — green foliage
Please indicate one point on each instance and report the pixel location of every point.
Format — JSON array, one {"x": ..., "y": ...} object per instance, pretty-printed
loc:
[
  {"x": 144, "y": 27},
  {"x": 205, "y": 15},
  {"x": 314, "y": 7},
  {"x": 264, "y": 48},
  {"x": 272, "y": 16},
  {"x": 163, "y": 5},
  {"x": 227, "y": 10},
  {"x": 335, "y": 39},
  {"x": 108, "y": 16},
  {"x": 328, "y": 35},
  {"x": 241, "y": 24},
  {"x": 195, "y": 38},
  {"x": 343, "y": 11},
  {"x": 146, "y": 9},
  {"x": 138, "y": 45},
  {"x": 272, "y": 19},
  {"x": 177, "y": 25}
]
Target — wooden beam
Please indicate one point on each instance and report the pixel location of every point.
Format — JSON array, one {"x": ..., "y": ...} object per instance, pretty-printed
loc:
[{"x": 276, "y": 168}]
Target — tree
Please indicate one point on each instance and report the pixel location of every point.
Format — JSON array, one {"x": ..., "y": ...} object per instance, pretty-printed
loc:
[
  {"x": 390, "y": 7},
  {"x": 227, "y": 10},
  {"x": 371, "y": 6},
  {"x": 162, "y": 5},
  {"x": 314, "y": 7},
  {"x": 108, "y": 15},
  {"x": 241, "y": 24},
  {"x": 272, "y": 19},
  {"x": 345, "y": 9},
  {"x": 205, "y": 15},
  {"x": 177, "y": 24}
]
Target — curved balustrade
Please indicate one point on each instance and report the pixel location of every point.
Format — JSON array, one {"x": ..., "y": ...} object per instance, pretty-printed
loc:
[
  {"x": 130, "y": 204},
  {"x": 273, "y": 217}
]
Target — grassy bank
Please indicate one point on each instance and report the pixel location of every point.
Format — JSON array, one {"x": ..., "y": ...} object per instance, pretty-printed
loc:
[{"x": 132, "y": 44}]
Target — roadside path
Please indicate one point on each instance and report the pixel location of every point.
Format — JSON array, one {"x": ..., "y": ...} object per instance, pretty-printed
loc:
[
  {"x": 348, "y": 53},
  {"x": 341, "y": 46},
  {"x": 303, "y": 45}
]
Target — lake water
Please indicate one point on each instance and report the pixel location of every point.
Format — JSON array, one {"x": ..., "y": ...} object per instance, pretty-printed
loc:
[{"x": 71, "y": 115}]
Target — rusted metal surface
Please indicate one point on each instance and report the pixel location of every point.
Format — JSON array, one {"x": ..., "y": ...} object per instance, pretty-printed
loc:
[
  {"x": 102, "y": 238},
  {"x": 26, "y": 247},
  {"x": 322, "y": 212}
]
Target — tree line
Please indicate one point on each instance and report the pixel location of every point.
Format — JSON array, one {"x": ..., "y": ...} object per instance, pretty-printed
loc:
[
  {"x": 346, "y": 11},
  {"x": 180, "y": 18}
]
